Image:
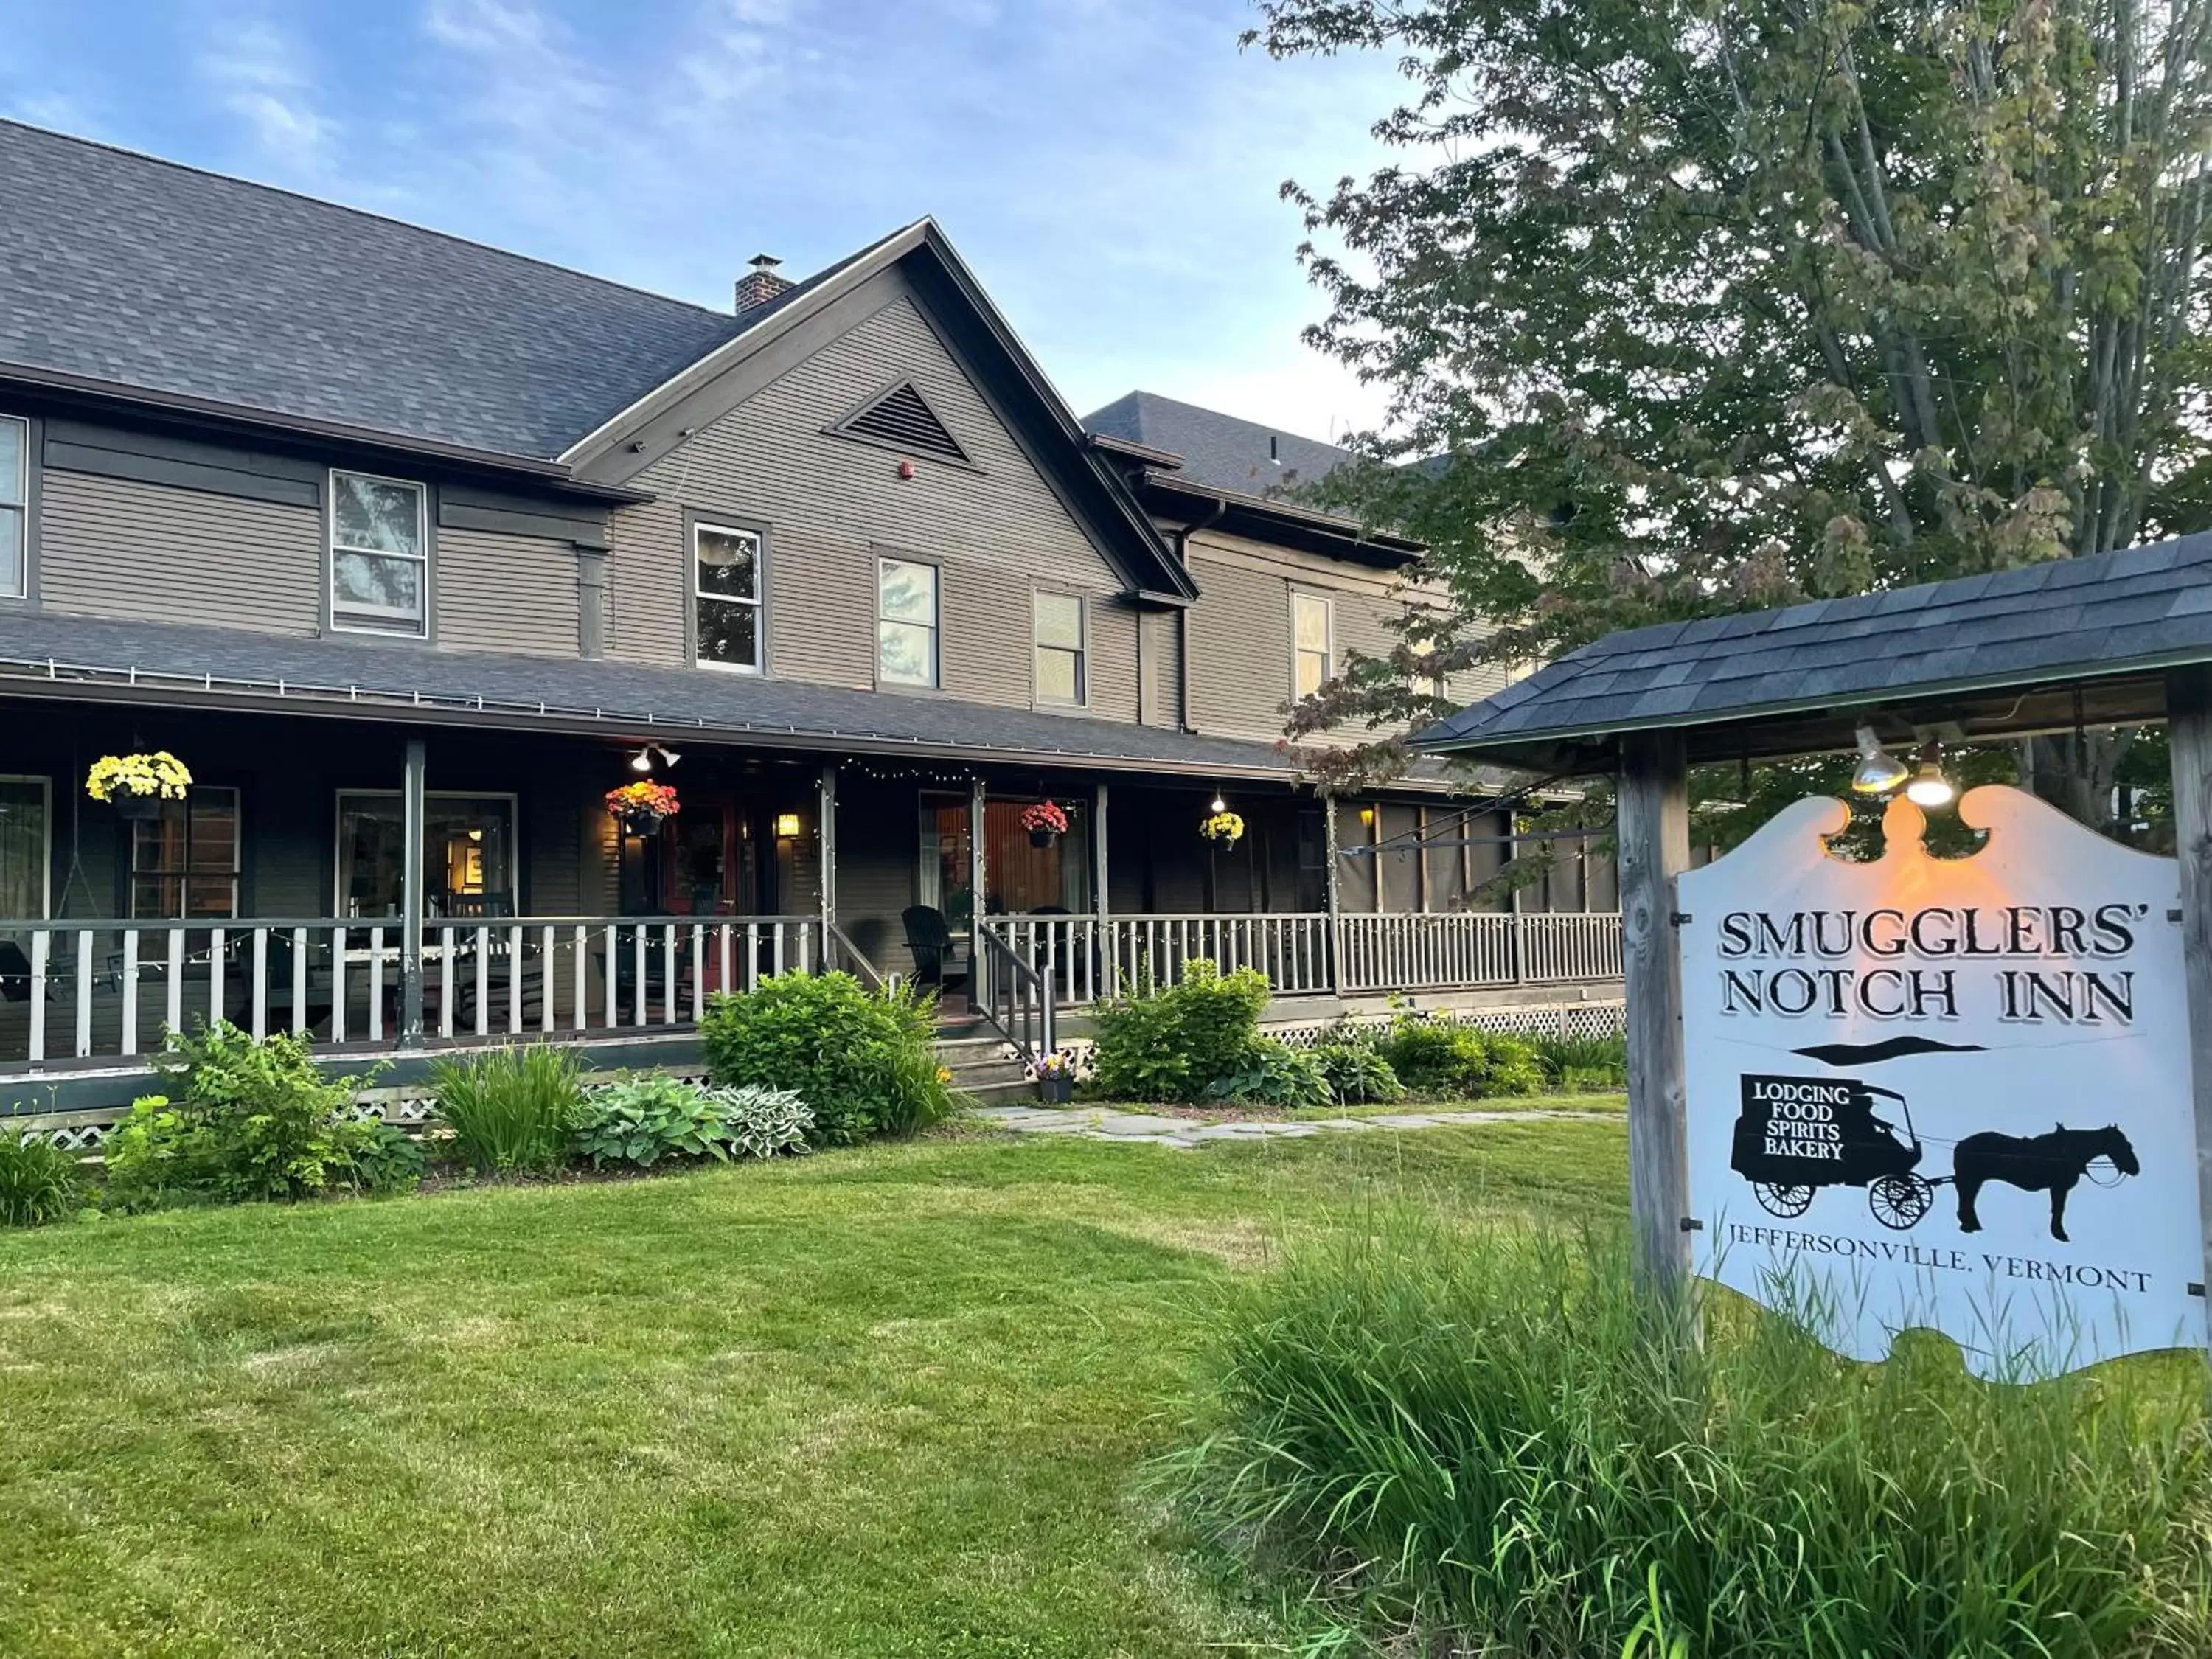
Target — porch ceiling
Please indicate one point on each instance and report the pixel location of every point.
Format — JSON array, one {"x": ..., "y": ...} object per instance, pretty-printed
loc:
[{"x": 169, "y": 665}]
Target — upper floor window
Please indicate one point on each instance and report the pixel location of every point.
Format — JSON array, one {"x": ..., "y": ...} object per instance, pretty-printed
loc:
[
  {"x": 906, "y": 623},
  {"x": 1311, "y": 642},
  {"x": 14, "y": 494},
  {"x": 726, "y": 585},
  {"x": 184, "y": 862},
  {"x": 1059, "y": 648},
  {"x": 380, "y": 555}
]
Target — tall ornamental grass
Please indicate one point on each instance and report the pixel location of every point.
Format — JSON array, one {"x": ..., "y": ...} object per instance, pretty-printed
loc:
[
  {"x": 512, "y": 1111},
  {"x": 1486, "y": 1444}
]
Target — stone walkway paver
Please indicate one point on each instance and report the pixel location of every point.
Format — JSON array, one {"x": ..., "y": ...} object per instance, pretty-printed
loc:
[{"x": 1132, "y": 1128}]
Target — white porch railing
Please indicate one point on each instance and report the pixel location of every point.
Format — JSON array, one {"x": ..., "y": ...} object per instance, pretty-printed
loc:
[
  {"x": 1084, "y": 958},
  {"x": 77, "y": 991}
]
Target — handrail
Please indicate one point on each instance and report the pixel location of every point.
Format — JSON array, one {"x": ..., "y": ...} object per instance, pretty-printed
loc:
[
  {"x": 856, "y": 960},
  {"x": 1012, "y": 996}
]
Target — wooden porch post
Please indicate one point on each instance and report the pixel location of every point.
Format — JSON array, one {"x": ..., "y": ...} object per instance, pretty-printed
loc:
[
  {"x": 2189, "y": 747},
  {"x": 413, "y": 828},
  {"x": 825, "y": 835},
  {"x": 1654, "y": 831},
  {"x": 1103, "y": 946},
  {"x": 1335, "y": 894},
  {"x": 975, "y": 988}
]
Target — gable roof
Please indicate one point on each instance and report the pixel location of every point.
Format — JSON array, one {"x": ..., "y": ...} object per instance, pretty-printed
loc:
[
  {"x": 1219, "y": 449},
  {"x": 2041, "y": 647},
  {"x": 128, "y": 270}
]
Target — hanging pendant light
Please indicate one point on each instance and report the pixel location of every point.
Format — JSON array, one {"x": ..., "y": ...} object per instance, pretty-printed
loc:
[
  {"x": 1878, "y": 771},
  {"x": 1929, "y": 788},
  {"x": 1219, "y": 805}
]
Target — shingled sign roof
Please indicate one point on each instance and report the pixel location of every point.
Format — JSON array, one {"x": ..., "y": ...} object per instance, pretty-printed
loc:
[{"x": 2043, "y": 647}]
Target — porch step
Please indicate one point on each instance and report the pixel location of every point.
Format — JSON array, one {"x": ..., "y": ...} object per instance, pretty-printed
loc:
[{"x": 982, "y": 1070}]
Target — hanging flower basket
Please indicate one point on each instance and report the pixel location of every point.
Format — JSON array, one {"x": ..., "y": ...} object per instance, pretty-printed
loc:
[
  {"x": 1226, "y": 828},
  {"x": 137, "y": 785},
  {"x": 641, "y": 808},
  {"x": 1045, "y": 821}
]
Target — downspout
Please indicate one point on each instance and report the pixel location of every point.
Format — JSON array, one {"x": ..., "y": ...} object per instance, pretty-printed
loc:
[{"x": 1206, "y": 520}]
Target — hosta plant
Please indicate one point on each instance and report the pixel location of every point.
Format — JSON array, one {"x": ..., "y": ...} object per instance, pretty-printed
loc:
[{"x": 649, "y": 1119}]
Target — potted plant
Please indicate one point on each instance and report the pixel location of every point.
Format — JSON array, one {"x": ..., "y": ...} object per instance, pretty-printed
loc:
[
  {"x": 642, "y": 807},
  {"x": 1045, "y": 821},
  {"x": 1225, "y": 826},
  {"x": 1055, "y": 1078},
  {"x": 137, "y": 785}
]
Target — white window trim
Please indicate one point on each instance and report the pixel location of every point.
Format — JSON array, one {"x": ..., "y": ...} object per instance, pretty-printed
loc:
[
  {"x": 22, "y": 507},
  {"x": 46, "y": 841},
  {"x": 1327, "y": 604},
  {"x": 130, "y": 874},
  {"x": 337, "y": 836},
  {"x": 1037, "y": 647},
  {"x": 759, "y": 601},
  {"x": 331, "y": 550},
  {"x": 936, "y": 680}
]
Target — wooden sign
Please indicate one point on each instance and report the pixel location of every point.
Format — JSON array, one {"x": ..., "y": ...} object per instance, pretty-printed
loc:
[{"x": 1944, "y": 1092}]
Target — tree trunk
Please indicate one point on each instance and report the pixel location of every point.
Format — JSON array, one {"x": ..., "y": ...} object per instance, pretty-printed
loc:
[{"x": 2074, "y": 772}]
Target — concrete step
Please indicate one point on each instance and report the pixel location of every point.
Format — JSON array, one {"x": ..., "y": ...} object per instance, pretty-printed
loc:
[
  {"x": 1019, "y": 1092},
  {"x": 961, "y": 1051},
  {"x": 972, "y": 1077}
]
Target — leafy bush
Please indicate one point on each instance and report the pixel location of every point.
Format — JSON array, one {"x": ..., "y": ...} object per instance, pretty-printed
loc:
[
  {"x": 246, "y": 1120},
  {"x": 38, "y": 1181},
  {"x": 1168, "y": 1045},
  {"x": 1522, "y": 1456},
  {"x": 1274, "y": 1074},
  {"x": 651, "y": 1118},
  {"x": 511, "y": 1110},
  {"x": 1582, "y": 1062},
  {"x": 1436, "y": 1057},
  {"x": 866, "y": 1064},
  {"x": 1356, "y": 1073}
]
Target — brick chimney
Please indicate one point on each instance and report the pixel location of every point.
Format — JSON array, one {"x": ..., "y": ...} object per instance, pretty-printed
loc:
[{"x": 761, "y": 284}]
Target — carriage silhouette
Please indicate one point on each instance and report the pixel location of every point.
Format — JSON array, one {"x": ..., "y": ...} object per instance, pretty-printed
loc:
[{"x": 1796, "y": 1135}]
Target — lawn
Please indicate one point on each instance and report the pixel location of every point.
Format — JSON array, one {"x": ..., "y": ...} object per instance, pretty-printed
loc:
[{"x": 894, "y": 1402}]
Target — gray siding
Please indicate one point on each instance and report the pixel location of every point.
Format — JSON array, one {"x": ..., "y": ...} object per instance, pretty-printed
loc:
[
  {"x": 834, "y": 504},
  {"x": 118, "y": 547},
  {"x": 1240, "y": 649},
  {"x": 1160, "y": 688},
  {"x": 507, "y": 593}
]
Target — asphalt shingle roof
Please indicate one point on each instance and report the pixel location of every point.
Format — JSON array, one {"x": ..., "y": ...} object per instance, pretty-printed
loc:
[
  {"x": 176, "y": 664},
  {"x": 1219, "y": 449},
  {"x": 124, "y": 268},
  {"x": 2100, "y": 617}
]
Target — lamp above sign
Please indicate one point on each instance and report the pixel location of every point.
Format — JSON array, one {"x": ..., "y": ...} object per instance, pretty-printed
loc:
[{"x": 1951, "y": 1093}]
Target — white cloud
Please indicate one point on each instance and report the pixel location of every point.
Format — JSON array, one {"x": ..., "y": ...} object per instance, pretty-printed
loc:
[{"x": 259, "y": 75}]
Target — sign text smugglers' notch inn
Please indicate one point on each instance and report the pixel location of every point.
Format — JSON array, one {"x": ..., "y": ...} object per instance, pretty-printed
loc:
[{"x": 1972, "y": 1094}]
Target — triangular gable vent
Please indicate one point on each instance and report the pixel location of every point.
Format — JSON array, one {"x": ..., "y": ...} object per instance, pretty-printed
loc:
[{"x": 902, "y": 419}]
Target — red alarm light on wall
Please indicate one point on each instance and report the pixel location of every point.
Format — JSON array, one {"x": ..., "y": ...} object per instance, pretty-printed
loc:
[{"x": 906, "y": 469}]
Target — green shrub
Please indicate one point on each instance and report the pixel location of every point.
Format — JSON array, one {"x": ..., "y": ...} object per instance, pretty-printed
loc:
[
  {"x": 642, "y": 1121},
  {"x": 1356, "y": 1073},
  {"x": 1522, "y": 1458},
  {"x": 1168, "y": 1045},
  {"x": 510, "y": 1111},
  {"x": 1274, "y": 1074},
  {"x": 865, "y": 1063},
  {"x": 1436, "y": 1057},
  {"x": 244, "y": 1119},
  {"x": 1583, "y": 1063},
  {"x": 38, "y": 1181}
]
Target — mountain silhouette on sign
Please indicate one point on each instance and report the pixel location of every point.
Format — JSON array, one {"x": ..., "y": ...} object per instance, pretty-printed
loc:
[{"x": 1867, "y": 1054}]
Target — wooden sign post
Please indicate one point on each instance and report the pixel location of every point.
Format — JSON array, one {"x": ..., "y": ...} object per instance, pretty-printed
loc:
[
  {"x": 2189, "y": 747},
  {"x": 1653, "y": 816}
]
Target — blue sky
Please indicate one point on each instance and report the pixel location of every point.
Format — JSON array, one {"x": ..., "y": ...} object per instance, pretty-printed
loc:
[{"x": 1107, "y": 167}]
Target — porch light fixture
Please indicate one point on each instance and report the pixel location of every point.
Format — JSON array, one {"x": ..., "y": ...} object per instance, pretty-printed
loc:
[
  {"x": 1878, "y": 771},
  {"x": 786, "y": 826},
  {"x": 642, "y": 761},
  {"x": 1929, "y": 788},
  {"x": 1218, "y": 805}
]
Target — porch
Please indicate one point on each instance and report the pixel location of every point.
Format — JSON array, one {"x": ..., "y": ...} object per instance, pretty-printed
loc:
[{"x": 396, "y": 890}]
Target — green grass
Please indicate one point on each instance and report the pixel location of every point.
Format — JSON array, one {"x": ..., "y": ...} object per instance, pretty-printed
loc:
[{"x": 895, "y": 1402}]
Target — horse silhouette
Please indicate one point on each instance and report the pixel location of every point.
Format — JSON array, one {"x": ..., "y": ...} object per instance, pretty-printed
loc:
[{"x": 2036, "y": 1163}]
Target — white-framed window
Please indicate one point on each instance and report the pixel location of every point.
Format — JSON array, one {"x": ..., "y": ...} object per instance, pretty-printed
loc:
[
  {"x": 15, "y": 505},
  {"x": 27, "y": 847},
  {"x": 1312, "y": 643},
  {"x": 906, "y": 621},
  {"x": 380, "y": 555},
  {"x": 184, "y": 862},
  {"x": 1059, "y": 665},
  {"x": 726, "y": 596},
  {"x": 468, "y": 861}
]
